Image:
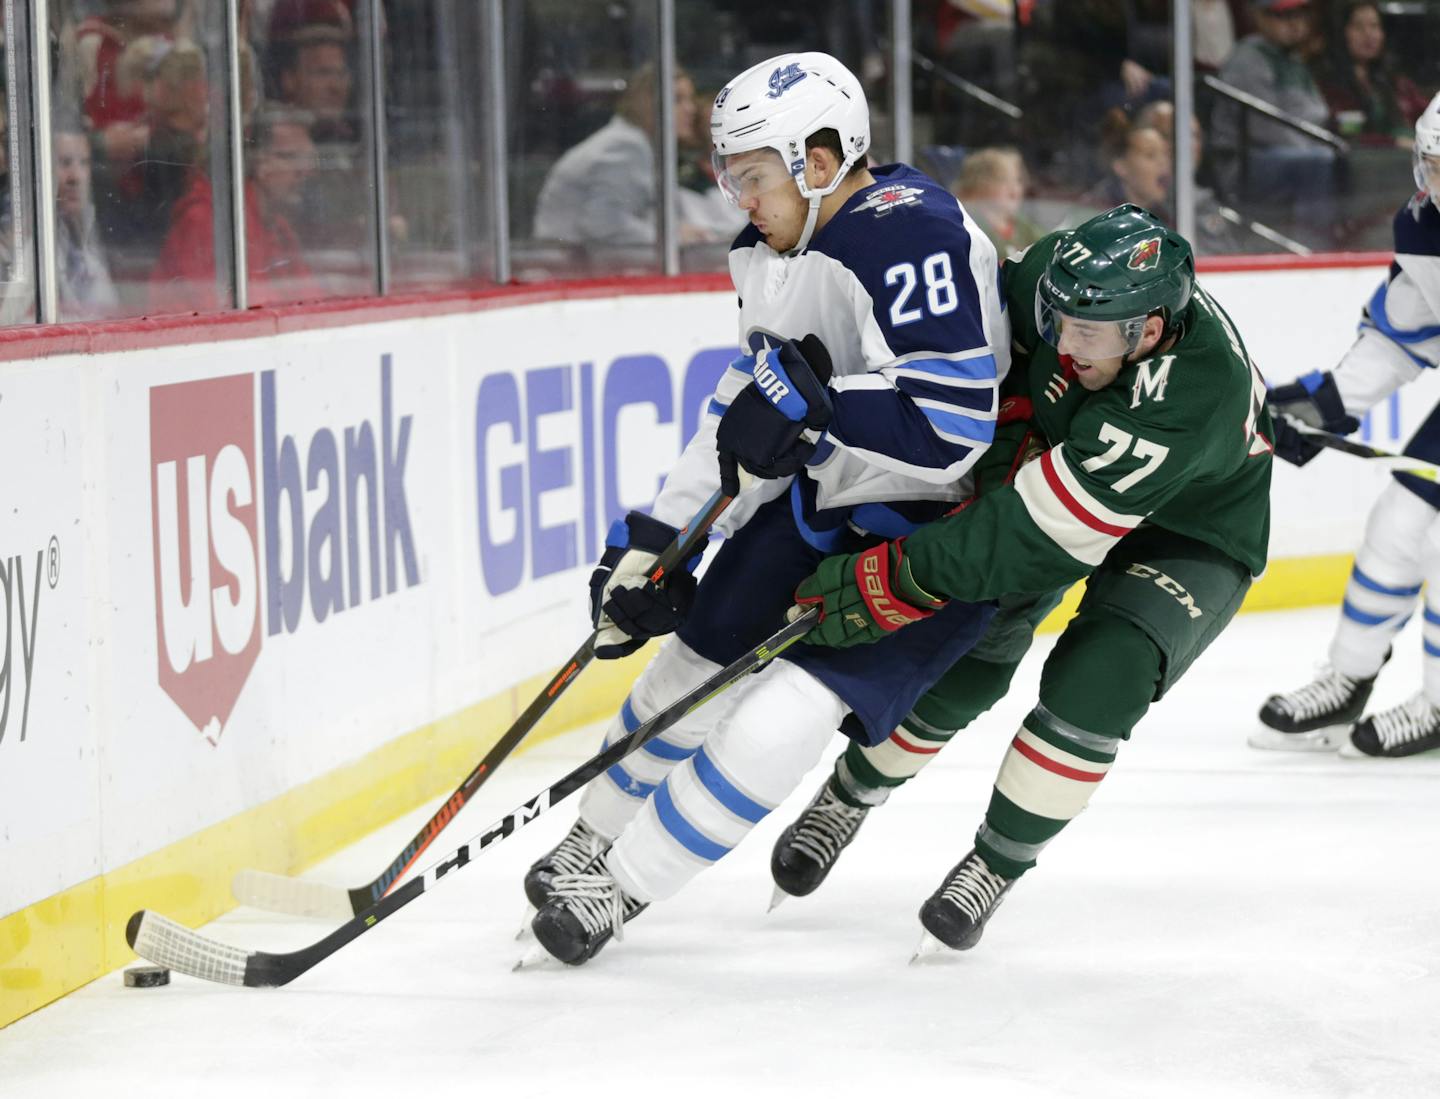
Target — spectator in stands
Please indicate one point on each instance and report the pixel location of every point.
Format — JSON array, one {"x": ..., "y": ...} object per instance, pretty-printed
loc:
[
  {"x": 1214, "y": 29},
  {"x": 185, "y": 276},
  {"x": 1216, "y": 232},
  {"x": 85, "y": 289},
  {"x": 136, "y": 199},
  {"x": 113, "y": 105},
  {"x": 310, "y": 60},
  {"x": 1370, "y": 99},
  {"x": 991, "y": 185},
  {"x": 1290, "y": 173},
  {"x": 1141, "y": 161},
  {"x": 702, "y": 203},
  {"x": 603, "y": 191}
]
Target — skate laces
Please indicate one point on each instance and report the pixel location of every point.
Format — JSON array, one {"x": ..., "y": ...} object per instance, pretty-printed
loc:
[
  {"x": 1330, "y": 691},
  {"x": 596, "y": 899},
  {"x": 1410, "y": 720},
  {"x": 577, "y": 850},
  {"x": 974, "y": 887},
  {"x": 826, "y": 827}
]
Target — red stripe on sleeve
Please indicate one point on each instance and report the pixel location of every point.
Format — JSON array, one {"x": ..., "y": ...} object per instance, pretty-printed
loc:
[{"x": 1074, "y": 506}]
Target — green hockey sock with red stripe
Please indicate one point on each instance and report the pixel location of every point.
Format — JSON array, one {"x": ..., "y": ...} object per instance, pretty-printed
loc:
[{"x": 1049, "y": 774}]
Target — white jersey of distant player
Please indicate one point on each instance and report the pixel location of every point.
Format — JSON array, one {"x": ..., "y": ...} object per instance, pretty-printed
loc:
[
  {"x": 903, "y": 289},
  {"x": 1400, "y": 325}
]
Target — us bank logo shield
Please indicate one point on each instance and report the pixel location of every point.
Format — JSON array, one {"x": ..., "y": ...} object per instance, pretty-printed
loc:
[{"x": 205, "y": 533}]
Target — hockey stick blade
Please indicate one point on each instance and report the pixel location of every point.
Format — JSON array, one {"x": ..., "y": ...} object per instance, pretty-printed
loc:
[
  {"x": 299, "y": 897},
  {"x": 164, "y": 942}
]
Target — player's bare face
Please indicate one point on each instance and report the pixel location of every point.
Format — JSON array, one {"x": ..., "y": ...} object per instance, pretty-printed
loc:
[{"x": 769, "y": 197}]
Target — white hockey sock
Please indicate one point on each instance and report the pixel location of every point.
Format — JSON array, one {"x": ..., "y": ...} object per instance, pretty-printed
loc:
[
  {"x": 610, "y": 801},
  {"x": 757, "y": 755},
  {"x": 1385, "y": 583}
]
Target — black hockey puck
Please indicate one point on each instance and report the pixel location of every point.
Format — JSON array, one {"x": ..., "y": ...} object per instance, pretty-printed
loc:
[{"x": 146, "y": 976}]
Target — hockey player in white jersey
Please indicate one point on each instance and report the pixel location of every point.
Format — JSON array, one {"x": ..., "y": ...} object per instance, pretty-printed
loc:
[
  {"x": 875, "y": 341},
  {"x": 1399, "y": 340}
]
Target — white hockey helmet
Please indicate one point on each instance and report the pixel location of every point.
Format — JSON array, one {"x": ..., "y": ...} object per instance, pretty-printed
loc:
[
  {"x": 1427, "y": 150},
  {"x": 777, "y": 105}
]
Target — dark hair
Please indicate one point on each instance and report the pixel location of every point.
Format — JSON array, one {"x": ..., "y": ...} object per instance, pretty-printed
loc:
[
  {"x": 1341, "y": 66},
  {"x": 828, "y": 138}
]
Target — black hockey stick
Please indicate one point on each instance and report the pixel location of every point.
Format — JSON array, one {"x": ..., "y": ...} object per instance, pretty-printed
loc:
[
  {"x": 1396, "y": 463},
  {"x": 175, "y": 946},
  {"x": 299, "y": 897}
]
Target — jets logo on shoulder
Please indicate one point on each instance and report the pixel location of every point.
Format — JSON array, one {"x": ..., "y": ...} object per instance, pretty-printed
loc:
[
  {"x": 1145, "y": 256},
  {"x": 890, "y": 198},
  {"x": 783, "y": 79}
]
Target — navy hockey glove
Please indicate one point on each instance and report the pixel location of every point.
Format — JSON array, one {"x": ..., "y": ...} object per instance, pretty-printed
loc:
[
  {"x": 765, "y": 427},
  {"x": 625, "y": 607},
  {"x": 1313, "y": 399}
]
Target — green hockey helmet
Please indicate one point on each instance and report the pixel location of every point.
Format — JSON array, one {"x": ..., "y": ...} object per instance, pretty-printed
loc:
[{"x": 1106, "y": 277}]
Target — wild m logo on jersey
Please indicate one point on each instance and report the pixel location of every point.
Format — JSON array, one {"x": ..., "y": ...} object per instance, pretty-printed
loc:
[
  {"x": 1151, "y": 380},
  {"x": 1145, "y": 256},
  {"x": 207, "y": 501},
  {"x": 783, "y": 79},
  {"x": 887, "y": 199}
]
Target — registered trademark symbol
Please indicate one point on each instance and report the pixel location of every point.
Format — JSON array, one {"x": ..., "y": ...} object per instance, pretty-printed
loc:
[{"x": 52, "y": 561}]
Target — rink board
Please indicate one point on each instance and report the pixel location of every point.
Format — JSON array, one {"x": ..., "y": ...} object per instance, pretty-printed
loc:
[{"x": 265, "y": 593}]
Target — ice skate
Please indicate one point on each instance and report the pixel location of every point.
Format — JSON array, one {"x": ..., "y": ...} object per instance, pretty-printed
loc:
[
  {"x": 1317, "y": 717},
  {"x": 571, "y": 855},
  {"x": 1404, "y": 730},
  {"x": 806, "y": 851},
  {"x": 957, "y": 912},
  {"x": 584, "y": 912}
]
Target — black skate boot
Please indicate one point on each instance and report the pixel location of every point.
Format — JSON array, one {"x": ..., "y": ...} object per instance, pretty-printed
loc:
[
  {"x": 1404, "y": 730},
  {"x": 569, "y": 856},
  {"x": 957, "y": 912},
  {"x": 807, "y": 850},
  {"x": 1317, "y": 717},
  {"x": 584, "y": 911}
]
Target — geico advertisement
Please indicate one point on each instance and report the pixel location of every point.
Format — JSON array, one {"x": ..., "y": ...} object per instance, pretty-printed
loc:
[{"x": 49, "y": 818}]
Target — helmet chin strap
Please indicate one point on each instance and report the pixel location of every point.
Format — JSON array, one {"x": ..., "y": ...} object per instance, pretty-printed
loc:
[{"x": 809, "y": 230}]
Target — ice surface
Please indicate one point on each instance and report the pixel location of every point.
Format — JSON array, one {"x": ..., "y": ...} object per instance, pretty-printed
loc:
[{"x": 1221, "y": 922}]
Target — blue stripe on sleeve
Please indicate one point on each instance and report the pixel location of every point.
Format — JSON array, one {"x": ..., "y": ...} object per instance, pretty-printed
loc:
[
  {"x": 954, "y": 423},
  {"x": 685, "y": 833},
  {"x": 1431, "y": 650},
  {"x": 1381, "y": 319},
  {"x": 1375, "y": 586},
  {"x": 716, "y": 407},
  {"x": 725, "y": 792},
  {"x": 975, "y": 368},
  {"x": 1431, "y": 617},
  {"x": 878, "y": 420},
  {"x": 981, "y": 398}
]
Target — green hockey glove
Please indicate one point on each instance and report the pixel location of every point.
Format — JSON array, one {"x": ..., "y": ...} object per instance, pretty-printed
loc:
[{"x": 864, "y": 596}]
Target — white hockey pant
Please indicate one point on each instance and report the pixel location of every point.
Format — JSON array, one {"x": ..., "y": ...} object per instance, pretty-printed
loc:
[
  {"x": 611, "y": 800},
  {"x": 1401, "y": 552},
  {"x": 781, "y": 721}
]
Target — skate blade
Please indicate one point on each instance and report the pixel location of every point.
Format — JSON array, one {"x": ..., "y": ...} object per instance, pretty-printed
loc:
[
  {"x": 1316, "y": 740},
  {"x": 534, "y": 957},
  {"x": 928, "y": 947},
  {"x": 523, "y": 934},
  {"x": 1349, "y": 751},
  {"x": 777, "y": 898}
]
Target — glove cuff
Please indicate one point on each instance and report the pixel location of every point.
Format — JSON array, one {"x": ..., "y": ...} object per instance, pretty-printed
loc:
[
  {"x": 892, "y": 604},
  {"x": 647, "y": 533}
]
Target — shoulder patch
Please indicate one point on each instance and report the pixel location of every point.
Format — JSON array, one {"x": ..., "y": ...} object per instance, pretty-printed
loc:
[{"x": 883, "y": 200}]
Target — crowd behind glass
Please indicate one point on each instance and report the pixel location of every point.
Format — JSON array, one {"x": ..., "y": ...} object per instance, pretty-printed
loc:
[{"x": 366, "y": 170}]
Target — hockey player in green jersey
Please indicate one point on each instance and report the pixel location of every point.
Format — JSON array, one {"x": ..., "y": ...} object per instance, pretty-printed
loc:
[{"x": 1150, "y": 476}]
